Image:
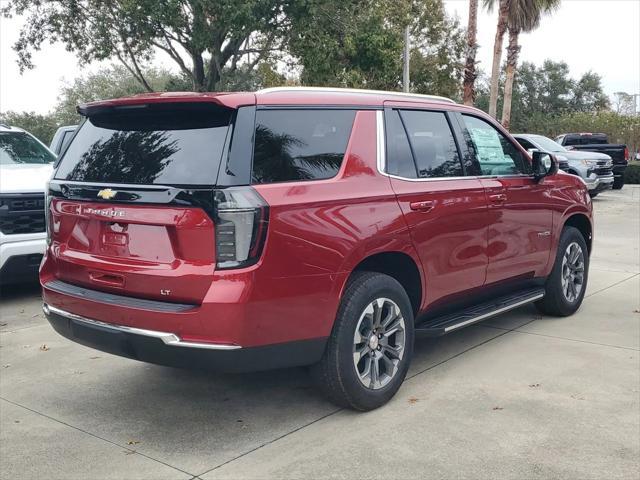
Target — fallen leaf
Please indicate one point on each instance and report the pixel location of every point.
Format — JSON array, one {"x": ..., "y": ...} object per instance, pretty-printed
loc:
[
  {"x": 78, "y": 372},
  {"x": 498, "y": 408},
  {"x": 3, "y": 324},
  {"x": 534, "y": 385},
  {"x": 6, "y": 365},
  {"x": 413, "y": 400},
  {"x": 133, "y": 442},
  {"x": 36, "y": 315},
  {"x": 93, "y": 358},
  {"x": 637, "y": 310},
  {"x": 16, "y": 421},
  {"x": 129, "y": 452},
  {"x": 44, "y": 347},
  {"x": 576, "y": 396},
  {"x": 239, "y": 421}
]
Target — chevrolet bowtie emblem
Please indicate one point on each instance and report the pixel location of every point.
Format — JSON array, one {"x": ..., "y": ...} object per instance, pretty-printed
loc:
[{"x": 107, "y": 193}]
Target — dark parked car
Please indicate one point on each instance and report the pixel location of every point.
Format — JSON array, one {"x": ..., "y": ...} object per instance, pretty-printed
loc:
[
  {"x": 598, "y": 142},
  {"x": 295, "y": 226}
]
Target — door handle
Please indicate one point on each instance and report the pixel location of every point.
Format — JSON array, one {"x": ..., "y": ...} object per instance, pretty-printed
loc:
[
  {"x": 498, "y": 198},
  {"x": 423, "y": 206}
]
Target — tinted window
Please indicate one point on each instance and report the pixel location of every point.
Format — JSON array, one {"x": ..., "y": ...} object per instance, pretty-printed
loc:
[
  {"x": 293, "y": 145},
  {"x": 432, "y": 143},
  {"x": 590, "y": 139},
  {"x": 21, "y": 148},
  {"x": 548, "y": 145},
  {"x": 66, "y": 138},
  {"x": 172, "y": 145},
  {"x": 400, "y": 159},
  {"x": 494, "y": 152},
  {"x": 525, "y": 143}
]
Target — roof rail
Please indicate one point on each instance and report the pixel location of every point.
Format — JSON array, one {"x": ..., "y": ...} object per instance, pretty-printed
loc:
[{"x": 355, "y": 90}]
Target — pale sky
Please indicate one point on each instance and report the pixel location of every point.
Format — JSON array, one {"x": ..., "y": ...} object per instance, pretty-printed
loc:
[{"x": 598, "y": 35}]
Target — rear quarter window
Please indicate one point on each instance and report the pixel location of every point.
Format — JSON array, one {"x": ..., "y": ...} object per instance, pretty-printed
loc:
[{"x": 299, "y": 145}]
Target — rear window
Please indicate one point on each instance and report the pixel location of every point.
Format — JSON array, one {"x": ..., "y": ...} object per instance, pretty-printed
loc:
[
  {"x": 18, "y": 148},
  {"x": 593, "y": 139},
  {"x": 295, "y": 145},
  {"x": 162, "y": 144}
]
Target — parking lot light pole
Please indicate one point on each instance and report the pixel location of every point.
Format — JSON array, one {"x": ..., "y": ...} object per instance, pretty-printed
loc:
[{"x": 405, "y": 66}]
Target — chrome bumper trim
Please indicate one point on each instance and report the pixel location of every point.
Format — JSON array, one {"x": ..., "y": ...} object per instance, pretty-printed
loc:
[
  {"x": 170, "y": 339},
  {"x": 592, "y": 185}
]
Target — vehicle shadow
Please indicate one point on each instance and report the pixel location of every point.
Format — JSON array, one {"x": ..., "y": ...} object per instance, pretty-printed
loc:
[
  {"x": 194, "y": 420},
  {"x": 197, "y": 420}
]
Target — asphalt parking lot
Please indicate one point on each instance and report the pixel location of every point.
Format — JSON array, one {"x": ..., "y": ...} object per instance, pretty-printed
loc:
[{"x": 520, "y": 396}]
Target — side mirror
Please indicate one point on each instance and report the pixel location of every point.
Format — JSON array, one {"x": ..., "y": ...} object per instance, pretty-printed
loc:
[{"x": 544, "y": 164}]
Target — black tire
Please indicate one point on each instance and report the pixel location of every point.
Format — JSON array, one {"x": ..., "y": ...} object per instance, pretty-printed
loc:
[
  {"x": 618, "y": 183},
  {"x": 336, "y": 374},
  {"x": 555, "y": 302},
  {"x": 594, "y": 194}
]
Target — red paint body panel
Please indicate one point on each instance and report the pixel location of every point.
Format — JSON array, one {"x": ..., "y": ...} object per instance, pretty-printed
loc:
[
  {"x": 451, "y": 237},
  {"x": 520, "y": 225},
  {"x": 319, "y": 231}
]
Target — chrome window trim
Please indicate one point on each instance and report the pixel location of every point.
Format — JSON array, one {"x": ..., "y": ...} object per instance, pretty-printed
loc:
[
  {"x": 169, "y": 339},
  {"x": 381, "y": 160}
]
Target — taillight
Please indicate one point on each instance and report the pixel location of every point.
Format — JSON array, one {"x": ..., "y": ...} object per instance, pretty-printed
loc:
[
  {"x": 626, "y": 153},
  {"x": 241, "y": 220}
]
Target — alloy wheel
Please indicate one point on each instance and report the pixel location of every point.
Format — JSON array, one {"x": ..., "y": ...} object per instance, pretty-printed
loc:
[
  {"x": 379, "y": 343},
  {"x": 572, "y": 272}
]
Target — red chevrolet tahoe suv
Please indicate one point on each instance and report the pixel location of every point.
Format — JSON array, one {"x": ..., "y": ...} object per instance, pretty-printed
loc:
[{"x": 301, "y": 226}]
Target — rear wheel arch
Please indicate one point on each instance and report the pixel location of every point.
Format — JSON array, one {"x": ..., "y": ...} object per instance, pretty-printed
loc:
[{"x": 398, "y": 265}]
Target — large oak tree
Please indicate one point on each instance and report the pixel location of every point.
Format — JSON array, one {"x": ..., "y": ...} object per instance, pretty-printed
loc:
[{"x": 205, "y": 38}]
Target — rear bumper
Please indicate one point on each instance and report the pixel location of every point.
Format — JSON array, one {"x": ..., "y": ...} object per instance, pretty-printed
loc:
[
  {"x": 168, "y": 349},
  {"x": 618, "y": 170}
]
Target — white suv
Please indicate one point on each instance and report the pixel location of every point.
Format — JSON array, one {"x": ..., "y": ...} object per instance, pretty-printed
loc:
[{"x": 25, "y": 167}]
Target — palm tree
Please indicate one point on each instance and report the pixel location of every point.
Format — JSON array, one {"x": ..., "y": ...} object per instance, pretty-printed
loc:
[
  {"x": 503, "y": 16},
  {"x": 524, "y": 16},
  {"x": 468, "y": 90}
]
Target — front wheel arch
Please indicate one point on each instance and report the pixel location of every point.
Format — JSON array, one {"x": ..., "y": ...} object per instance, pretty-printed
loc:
[{"x": 583, "y": 224}]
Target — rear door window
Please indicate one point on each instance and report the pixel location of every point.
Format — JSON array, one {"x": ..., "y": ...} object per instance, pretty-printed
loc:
[
  {"x": 299, "y": 145},
  {"x": 166, "y": 144},
  {"x": 434, "y": 148}
]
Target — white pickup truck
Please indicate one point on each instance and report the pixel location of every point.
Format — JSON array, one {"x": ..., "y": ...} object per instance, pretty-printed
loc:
[{"x": 25, "y": 167}]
